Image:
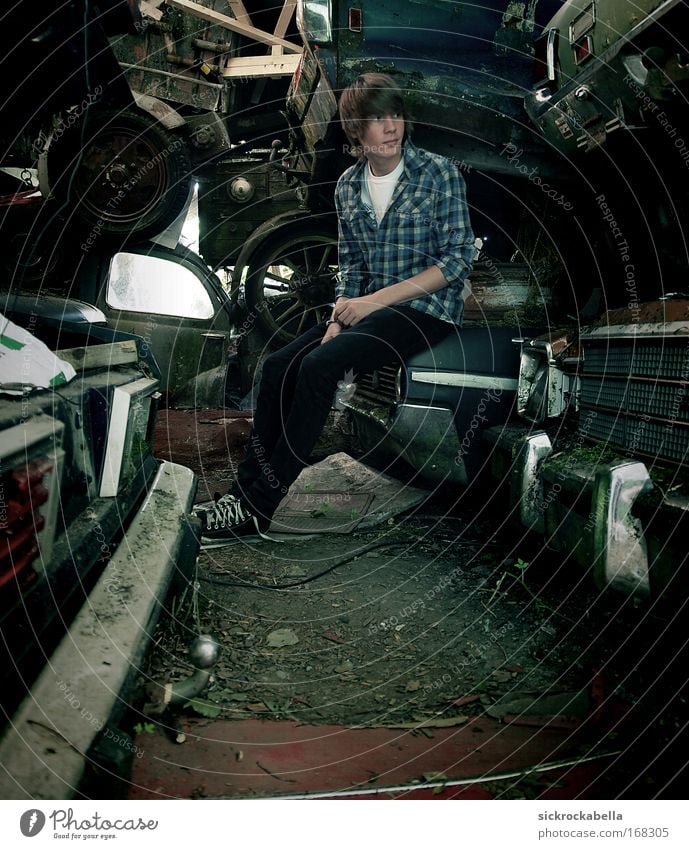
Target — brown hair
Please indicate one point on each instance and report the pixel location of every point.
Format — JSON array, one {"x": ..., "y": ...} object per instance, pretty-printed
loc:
[{"x": 368, "y": 95}]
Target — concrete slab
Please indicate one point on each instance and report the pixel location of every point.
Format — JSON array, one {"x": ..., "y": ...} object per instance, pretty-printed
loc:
[{"x": 340, "y": 494}]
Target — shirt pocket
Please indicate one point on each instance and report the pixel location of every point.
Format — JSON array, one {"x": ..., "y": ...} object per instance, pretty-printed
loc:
[
  {"x": 417, "y": 204},
  {"x": 359, "y": 221},
  {"x": 416, "y": 216}
]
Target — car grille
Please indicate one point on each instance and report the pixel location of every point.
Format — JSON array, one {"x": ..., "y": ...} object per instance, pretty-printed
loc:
[
  {"x": 379, "y": 386},
  {"x": 635, "y": 395}
]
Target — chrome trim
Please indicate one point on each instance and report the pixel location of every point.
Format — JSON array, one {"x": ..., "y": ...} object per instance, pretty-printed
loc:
[
  {"x": 427, "y": 439},
  {"x": 647, "y": 330},
  {"x": 551, "y": 54},
  {"x": 576, "y": 33},
  {"x": 578, "y": 61},
  {"x": 407, "y": 406},
  {"x": 526, "y": 485},
  {"x": 398, "y": 386},
  {"x": 619, "y": 546},
  {"x": 472, "y": 381}
]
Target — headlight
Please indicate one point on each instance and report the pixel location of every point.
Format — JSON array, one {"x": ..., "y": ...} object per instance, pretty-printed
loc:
[
  {"x": 546, "y": 389},
  {"x": 314, "y": 20}
]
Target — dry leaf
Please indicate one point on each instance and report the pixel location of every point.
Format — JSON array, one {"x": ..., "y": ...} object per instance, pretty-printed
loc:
[
  {"x": 502, "y": 676},
  {"x": 332, "y": 636},
  {"x": 465, "y": 700},
  {"x": 282, "y": 637},
  {"x": 435, "y": 776}
]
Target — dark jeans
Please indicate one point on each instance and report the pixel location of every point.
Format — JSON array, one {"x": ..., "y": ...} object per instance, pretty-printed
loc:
[{"x": 297, "y": 387}]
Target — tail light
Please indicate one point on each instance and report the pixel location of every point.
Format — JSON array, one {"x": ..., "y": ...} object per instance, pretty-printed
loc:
[{"x": 30, "y": 466}]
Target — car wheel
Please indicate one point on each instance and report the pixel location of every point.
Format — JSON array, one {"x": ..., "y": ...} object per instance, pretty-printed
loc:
[
  {"x": 290, "y": 285},
  {"x": 122, "y": 173}
]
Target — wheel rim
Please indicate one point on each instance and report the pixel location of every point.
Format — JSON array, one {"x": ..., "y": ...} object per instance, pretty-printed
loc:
[
  {"x": 123, "y": 175},
  {"x": 295, "y": 286}
]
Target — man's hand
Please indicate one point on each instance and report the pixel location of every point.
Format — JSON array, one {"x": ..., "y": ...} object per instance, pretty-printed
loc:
[
  {"x": 352, "y": 311},
  {"x": 331, "y": 332}
]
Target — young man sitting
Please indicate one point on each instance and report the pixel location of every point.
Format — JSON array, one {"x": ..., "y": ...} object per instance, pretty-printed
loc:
[{"x": 405, "y": 250}]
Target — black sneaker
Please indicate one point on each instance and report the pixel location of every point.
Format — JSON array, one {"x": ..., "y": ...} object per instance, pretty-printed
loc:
[
  {"x": 209, "y": 505},
  {"x": 227, "y": 520}
]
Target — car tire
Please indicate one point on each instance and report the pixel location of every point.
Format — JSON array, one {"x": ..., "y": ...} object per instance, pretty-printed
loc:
[
  {"x": 290, "y": 282},
  {"x": 120, "y": 173}
]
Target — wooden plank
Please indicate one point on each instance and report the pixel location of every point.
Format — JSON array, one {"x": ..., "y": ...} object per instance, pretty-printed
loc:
[
  {"x": 232, "y": 24},
  {"x": 288, "y": 8},
  {"x": 100, "y": 356},
  {"x": 239, "y": 11},
  {"x": 261, "y": 66},
  {"x": 150, "y": 9}
]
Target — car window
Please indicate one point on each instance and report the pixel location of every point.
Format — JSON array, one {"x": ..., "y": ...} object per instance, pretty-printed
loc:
[
  {"x": 150, "y": 284},
  {"x": 314, "y": 17}
]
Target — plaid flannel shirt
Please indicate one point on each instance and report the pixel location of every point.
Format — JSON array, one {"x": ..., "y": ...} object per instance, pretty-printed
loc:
[{"x": 426, "y": 224}]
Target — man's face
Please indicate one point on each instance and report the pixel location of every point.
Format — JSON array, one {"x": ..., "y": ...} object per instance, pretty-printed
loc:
[{"x": 381, "y": 140}]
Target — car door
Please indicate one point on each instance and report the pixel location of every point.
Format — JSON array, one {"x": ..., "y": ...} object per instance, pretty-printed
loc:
[{"x": 177, "y": 306}]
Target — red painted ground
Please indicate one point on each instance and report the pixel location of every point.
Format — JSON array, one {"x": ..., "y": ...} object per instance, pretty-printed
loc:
[
  {"x": 207, "y": 441},
  {"x": 254, "y": 758}
]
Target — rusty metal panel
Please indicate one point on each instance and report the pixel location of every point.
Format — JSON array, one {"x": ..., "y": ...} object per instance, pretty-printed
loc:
[
  {"x": 235, "y": 198},
  {"x": 178, "y": 58}
]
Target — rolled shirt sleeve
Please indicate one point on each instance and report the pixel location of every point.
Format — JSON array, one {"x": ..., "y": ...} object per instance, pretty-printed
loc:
[{"x": 454, "y": 237}]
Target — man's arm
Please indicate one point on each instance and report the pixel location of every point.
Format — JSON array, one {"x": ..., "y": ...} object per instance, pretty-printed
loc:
[
  {"x": 351, "y": 311},
  {"x": 334, "y": 328},
  {"x": 352, "y": 266}
]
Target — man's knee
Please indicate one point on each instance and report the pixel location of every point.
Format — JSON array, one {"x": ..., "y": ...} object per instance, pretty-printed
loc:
[
  {"x": 274, "y": 367},
  {"x": 318, "y": 367}
]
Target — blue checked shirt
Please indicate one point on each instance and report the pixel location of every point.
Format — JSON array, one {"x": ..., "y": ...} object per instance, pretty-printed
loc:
[{"x": 426, "y": 224}]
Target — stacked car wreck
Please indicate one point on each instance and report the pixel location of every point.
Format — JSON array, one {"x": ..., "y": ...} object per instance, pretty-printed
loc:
[
  {"x": 569, "y": 381},
  {"x": 600, "y": 470},
  {"x": 94, "y": 530}
]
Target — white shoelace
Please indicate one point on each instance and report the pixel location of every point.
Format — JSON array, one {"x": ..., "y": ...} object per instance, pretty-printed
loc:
[{"x": 227, "y": 512}]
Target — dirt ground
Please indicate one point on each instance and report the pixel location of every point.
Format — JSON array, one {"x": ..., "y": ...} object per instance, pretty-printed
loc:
[
  {"x": 434, "y": 616},
  {"x": 394, "y": 634}
]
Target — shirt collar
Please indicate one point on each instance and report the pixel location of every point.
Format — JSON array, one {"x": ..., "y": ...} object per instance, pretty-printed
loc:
[{"x": 410, "y": 155}]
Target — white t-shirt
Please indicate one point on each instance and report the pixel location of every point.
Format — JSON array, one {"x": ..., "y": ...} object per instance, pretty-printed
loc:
[{"x": 380, "y": 189}]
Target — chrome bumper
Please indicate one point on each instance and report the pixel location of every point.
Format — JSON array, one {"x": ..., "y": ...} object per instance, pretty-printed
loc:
[
  {"x": 45, "y": 747},
  {"x": 426, "y": 437},
  {"x": 583, "y": 509}
]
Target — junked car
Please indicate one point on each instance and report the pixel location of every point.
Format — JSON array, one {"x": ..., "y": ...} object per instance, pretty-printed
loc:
[
  {"x": 611, "y": 79},
  {"x": 94, "y": 535},
  {"x": 177, "y": 306},
  {"x": 609, "y": 67},
  {"x": 597, "y": 464},
  {"x": 432, "y": 410}
]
